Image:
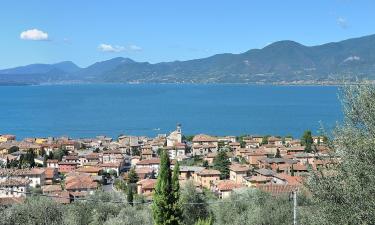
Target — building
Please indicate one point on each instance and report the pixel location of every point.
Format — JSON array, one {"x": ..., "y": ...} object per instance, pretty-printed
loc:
[
  {"x": 207, "y": 177},
  {"x": 14, "y": 187},
  {"x": 35, "y": 175},
  {"x": 53, "y": 163},
  {"x": 189, "y": 172},
  {"x": 204, "y": 144},
  {"x": 224, "y": 188},
  {"x": 7, "y": 137},
  {"x": 80, "y": 184},
  {"x": 146, "y": 187},
  {"x": 152, "y": 163},
  {"x": 237, "y": 172},
  {"x": 175, "y": 137},
  {"x": 66, "y": 167}
]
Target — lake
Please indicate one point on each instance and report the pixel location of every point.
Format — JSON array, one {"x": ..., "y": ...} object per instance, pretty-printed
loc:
[{"x": 87, "y": 110}]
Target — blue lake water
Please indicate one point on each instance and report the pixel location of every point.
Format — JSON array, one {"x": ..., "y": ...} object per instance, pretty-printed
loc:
[{"x": 113, "y": 109}]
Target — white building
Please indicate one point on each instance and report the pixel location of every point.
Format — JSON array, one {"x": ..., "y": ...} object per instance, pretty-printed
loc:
[
  {"x": 14, "y": 187},
  {"x": 35, "y": 175},
  {"x": 175, "y": 137}
]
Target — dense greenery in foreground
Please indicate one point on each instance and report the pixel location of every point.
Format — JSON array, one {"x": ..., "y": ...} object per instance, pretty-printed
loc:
[{"x": 342, "y": 193}]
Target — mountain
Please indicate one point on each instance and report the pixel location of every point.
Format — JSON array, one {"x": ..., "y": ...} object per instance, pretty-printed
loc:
[{"x": 280, "y": 62}]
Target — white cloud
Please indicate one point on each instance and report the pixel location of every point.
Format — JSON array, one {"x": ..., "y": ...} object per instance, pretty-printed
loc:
[
  {"x": 34, "y": 35},
  {"x": 134, "y": 48},
  {"x": 118, "y": 48},
  {"x": 110, "y": 48},
  {"x": 342, "y": 22}
]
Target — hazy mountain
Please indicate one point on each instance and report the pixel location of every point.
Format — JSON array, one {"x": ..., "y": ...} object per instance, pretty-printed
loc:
[{"x": 283, "y": 61}]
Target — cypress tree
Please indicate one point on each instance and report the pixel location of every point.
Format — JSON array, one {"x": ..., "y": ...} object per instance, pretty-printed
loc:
[
  {"x": 176, "y": 193},
  {"x": 163, "y": 198},
  {"x": 130, "y": 196},
  {"x": 132, "y": 176}
]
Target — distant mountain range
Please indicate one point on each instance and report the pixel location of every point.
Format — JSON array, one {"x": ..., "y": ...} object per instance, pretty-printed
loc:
[{"x": 280, "y": 62}]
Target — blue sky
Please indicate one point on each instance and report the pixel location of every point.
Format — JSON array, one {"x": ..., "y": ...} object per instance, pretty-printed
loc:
[{"x": 89, "y": 31}]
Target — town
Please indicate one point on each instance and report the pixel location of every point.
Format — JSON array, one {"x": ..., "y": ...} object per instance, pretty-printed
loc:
[{"x": 67, "y": 170}]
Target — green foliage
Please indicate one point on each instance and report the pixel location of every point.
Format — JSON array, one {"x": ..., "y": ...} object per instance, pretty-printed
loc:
[
  {"x": 205, "y": 164},
  {"x": 307, "y": 141},
  {"x": 188, "y": 138},
  {"x": 13, "y": 149},
  {"x": 35, "y": 210},
  {"x": 204, "y": 221},
  {"x": 221, "y": 163},
  {"x": 163, "y": 198},
  {"x": 344, "y": 193},
  {"x": 193, "y": 212},
  {"x": 176, "y": 192},
  {"x": 132, "y": 176},
  {"x": 265, "y": 140},
  {"x": 252, "y": 207},
  {"x": 130, "y": 197},
  {"x": 59, "y": 154}
]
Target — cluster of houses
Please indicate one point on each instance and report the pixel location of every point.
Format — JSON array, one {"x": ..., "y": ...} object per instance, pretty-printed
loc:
[{"x": 276, "y": 166}]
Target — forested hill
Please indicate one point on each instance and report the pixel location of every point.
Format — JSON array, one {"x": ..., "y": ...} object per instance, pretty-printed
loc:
[{"x": 280, "y": 62}]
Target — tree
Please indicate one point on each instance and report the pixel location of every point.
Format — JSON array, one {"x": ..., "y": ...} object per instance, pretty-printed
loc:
[
  {"x": 163, "y": 198},
  {"x": 176, "y": 192},
  {"x": 130, "y": 196},
  {"x": 13, "y": 149},
  {"x": 7, "y": 163},
  {"x": 132, "y": 176},
  {"x": 221, "y": 163},
  {"x": 307, "y": 140},
  {"x": 204, "y": 221},
  {"x": 343, "y": 192},
  {"x": 205, "y": 164},
  {"x": 277, "y": 155},
  {"x": 45, "y": 161},
  {"x": 193, "y": 212},
  {"x": 265, "y": 140}
]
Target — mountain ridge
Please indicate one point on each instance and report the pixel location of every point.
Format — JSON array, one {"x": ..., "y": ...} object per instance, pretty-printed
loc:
[{"x": 283, "y": 61}]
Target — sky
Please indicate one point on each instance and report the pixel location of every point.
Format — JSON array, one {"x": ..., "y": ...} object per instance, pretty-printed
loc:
[{"x": 88, "y": 31}]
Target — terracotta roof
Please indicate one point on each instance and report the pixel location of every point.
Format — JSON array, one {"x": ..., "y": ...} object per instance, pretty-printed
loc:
[
  {"x": 62, "y": 197},
  {"x": 228, "y": 185},
  {"x": 207, "y": 172},
  {"x": 14, "y": 182},
  {"x": 21, "y": 172},
  {"x": 149, "y": 161},
  {"x": 143, "y": 170},
  {"x": 147, "y": 183},
  {"x": 239, "y": 168},
  {"x": 260, "y": 178},
  {"x": 91, "y": 169},
  {"x": 276, "y": 189},
  {"x": 52, "y": 161},
  {"x": 291, "y": 180},
  {"x": 79, "y": 181},
  {"x": 50, "y": 172},
  {"x": 204, "y": 138},
  {"x": 51, "y": 188},
  {"x": 92, "y": 156}
]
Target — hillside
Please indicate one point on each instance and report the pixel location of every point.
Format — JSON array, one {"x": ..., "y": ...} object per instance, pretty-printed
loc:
[{"x": 283, "y": 61}]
